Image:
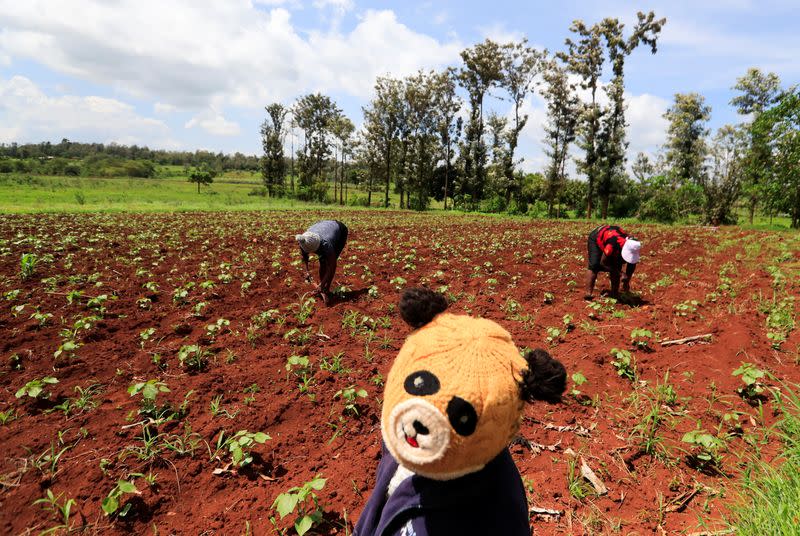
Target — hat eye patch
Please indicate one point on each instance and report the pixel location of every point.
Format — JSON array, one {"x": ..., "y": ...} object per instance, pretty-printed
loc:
[
  {"x": 463, "y": 417},
  {"x": 421, "y": 383}
]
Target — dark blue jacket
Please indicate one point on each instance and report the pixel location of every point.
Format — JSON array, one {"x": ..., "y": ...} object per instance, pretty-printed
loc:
[
  {"x": 333, "y": 235},
  {"x": 490, "y": 502}
]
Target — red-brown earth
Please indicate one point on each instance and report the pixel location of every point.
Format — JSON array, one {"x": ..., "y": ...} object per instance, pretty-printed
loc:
[{"x": 506, "y": 270}]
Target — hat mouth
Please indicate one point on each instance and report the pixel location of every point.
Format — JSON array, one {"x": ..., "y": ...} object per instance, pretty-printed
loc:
[{"x": 417, "y": 432}]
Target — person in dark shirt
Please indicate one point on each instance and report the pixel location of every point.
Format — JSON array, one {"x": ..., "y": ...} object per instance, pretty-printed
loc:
[
  {"x": 327, "y": 239},
  {"x": 610, "y": 247}
]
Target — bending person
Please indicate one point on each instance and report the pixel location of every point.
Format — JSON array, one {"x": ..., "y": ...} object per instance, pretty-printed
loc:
[
  {"x": 610, "y": 247},
  {"x": 327, "y": 239}
]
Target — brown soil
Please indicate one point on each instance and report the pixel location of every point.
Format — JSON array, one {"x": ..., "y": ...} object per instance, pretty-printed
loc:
[{"x": 487, "y": 264}]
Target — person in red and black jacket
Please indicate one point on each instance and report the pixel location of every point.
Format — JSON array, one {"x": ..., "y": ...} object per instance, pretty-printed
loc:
[{"x": 610, "y": 247}]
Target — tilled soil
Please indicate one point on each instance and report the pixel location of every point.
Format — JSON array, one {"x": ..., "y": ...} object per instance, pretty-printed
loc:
[{"x": 166, "y": 278}]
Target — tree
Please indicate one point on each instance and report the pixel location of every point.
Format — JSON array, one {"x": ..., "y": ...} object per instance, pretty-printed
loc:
[
  {"x": 686, "y": 146},
  {"x": 381, "y": 121},
  {"x": 758, "y": 91},
  {"x": 273, "y": 163},
  {"x": 611, "y": 142},
  {"x": 314, "y": 114},
  {"x": 342, "y": 129},
  {"x": 585, "y": 58},
  {"x": 563, "y": 108},
  {"x": 448, "y": 125},
  {"x": 521, "y": 65},
  {"x": 202, "y": 175},
  {"x": 482, "y": 70},
  {"x": 722, "y": 184},
  {"x": 779, "y": 128}
]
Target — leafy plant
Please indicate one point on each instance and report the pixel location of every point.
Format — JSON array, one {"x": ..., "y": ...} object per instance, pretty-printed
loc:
[
  {"x": 350, "y": 395},
  {"x": 706, "y": 448},
  {"x": 753, "y": 389},
  {"x": 149, "y": 391},
  {"x": 239, "y": 445},
  {"x": 303, "y": 500},
  {"x": 36, "y": 388},
  {"x": 111, "y": 504},
  {"x": 625, "y": 363},
  {"x": 641, "y": 338},
  {"x": 27, "y": 265},
  {"x": 193, "y": 357},
  {"x": 60, "y": 510}
]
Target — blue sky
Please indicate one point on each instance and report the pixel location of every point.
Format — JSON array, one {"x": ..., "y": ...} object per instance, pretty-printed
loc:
[{"x": 183, "y": 74}]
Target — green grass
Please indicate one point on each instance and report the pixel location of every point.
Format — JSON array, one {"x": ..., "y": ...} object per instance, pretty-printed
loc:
[
  {"x": 770, "y": 494},
  {"x": 23, "y": 193}
]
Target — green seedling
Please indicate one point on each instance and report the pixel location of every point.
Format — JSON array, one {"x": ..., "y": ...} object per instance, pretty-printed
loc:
[
  {"x": 212, "y": 330},
  {"x": 193, "y": 357},
  {"x": 549, "y": 297},
  {"x": 640, "y": 338},
  {"x": 239, "y": 444},
  {"x": 149, "y": 391},
  {"x": 625, "y": 363},
  {"x": 350, "y": 395},
  {"x": 753, "y": 389},
  {"x": 36, "y": 388},
  {"x": 305, "y": 502},
  {"x": 554, "y": 335},
  {"x": 58, "y": 509},
  {"x": 705, "y": 454},
  {"x": 111, "y": 504},
  {"x": 27, "y": 265}
]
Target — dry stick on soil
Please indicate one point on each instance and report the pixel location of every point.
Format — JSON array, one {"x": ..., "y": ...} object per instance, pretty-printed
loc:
[
  {"x": 588, "y": 474},
  {"x": 546, "y": 512},
  {"x": 687, "y": 339}
]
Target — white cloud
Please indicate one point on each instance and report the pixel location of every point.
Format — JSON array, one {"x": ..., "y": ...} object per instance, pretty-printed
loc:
[
  {"x": 29, "y": 115},
  {"x": 189, "y": 53},
  {"x": 215, "y": 123},
  {"x": 162, "y": 108},
  {"x": 499, "y": 33}
]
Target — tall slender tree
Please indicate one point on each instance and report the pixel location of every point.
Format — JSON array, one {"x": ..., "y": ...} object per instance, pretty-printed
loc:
[
  {"x": 381, "y": 120},
  {"x": 757, "y": 92},
  {"x": 448, "y": 124},
  {"x": 521, "y": 65},
  {"x": 273, "y": 163},
  {"x": 563, "y": 109},
  {"x": 482, "y": 70},
  {"x": 686, "y": 137}
]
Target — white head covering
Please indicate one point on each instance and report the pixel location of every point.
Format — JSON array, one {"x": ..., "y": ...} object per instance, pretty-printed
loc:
[
  {"x": 308, "y": 241},
  {"x": 631, "y": 250}
]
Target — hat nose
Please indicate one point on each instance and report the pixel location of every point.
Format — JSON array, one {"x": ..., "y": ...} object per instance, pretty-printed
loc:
[{"x": 420, "y": 428}]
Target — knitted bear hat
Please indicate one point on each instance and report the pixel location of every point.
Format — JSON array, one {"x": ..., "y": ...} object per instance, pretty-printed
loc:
[{"x": 455, "y": 394}]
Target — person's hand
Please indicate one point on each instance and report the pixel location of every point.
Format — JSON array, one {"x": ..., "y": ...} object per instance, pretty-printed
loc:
[
  {"x": 308, "y": 277},
  {"x": 588, "y": 297}
]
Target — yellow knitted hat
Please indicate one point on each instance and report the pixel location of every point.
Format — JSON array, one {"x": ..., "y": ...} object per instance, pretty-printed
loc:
[{"x": 454, "y": 396}]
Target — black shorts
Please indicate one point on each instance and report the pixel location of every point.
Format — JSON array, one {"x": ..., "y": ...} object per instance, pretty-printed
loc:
[{"x": 594, "y": 253}]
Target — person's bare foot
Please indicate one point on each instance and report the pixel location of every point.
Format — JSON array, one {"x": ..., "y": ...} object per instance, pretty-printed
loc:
[{"x": 325, "y": 298}]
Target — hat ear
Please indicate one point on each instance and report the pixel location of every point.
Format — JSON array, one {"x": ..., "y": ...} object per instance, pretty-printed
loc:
[
  {"x": 418, "y": 306},
  {"x": 544, "y": 379}
]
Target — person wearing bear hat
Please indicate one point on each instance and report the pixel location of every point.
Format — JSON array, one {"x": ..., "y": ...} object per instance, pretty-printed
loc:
[
  {"x": 327, "y": 239},
  {"x": 453, "y": 401},
  {"x": 610, "y": 246}
]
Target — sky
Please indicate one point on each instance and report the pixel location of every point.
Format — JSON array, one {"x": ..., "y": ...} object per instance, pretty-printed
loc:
[{"x": 197, "y": 74}]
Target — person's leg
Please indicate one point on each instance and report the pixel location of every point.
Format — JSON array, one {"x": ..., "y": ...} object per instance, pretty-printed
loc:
[
  {"x": 593, "y": 256},
  {"x": 591, "y": 277}
]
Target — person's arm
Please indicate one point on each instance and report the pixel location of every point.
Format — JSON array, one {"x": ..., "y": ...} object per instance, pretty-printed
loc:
[
  {"x": 305, "y": 262},
  {"x": 591, "y": 277},
  {"x": 626, "y": 279}
]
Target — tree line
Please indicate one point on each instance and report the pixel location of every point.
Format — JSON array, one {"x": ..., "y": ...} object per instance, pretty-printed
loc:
[{"x": 431, "y": 135}]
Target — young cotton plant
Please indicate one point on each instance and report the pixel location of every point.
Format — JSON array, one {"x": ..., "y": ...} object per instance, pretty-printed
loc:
[
  {"x": 239, "y": 444},
  {"x": 753, "y": 389},
  {"x": 36, "y": 388},
  {"x": 303, "y": 500}
]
